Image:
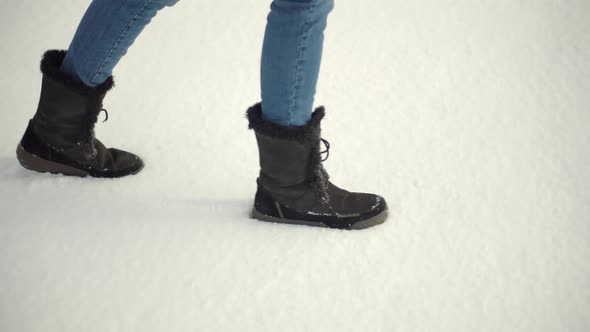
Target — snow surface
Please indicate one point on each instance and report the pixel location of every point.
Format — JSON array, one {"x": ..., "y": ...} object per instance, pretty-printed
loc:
[{"x": 471, "y": 118}]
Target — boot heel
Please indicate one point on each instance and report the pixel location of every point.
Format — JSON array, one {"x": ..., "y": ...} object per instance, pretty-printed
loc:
[{"x": 35, "y": 163}]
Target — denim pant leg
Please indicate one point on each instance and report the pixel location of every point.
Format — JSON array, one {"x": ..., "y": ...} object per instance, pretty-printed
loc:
[
  {"x": 106, "y": 31},
  {"x": 291, "y": 56}
]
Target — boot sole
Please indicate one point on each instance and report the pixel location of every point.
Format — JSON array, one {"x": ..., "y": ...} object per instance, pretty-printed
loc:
[
  {"x": 370, "y": 222},
  {"x": 35, "y": 163},
  {"x": 38, "y": 164}
]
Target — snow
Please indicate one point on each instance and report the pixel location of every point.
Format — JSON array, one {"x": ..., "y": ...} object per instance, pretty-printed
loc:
[{"x": 470, "y": 117}]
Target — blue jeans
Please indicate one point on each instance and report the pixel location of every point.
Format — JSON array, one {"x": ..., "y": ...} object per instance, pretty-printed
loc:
[{"x": 291, "y": 52}]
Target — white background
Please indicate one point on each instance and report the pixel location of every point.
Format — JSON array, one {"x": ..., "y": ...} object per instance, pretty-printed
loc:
[{"x": 471, "y": 117}]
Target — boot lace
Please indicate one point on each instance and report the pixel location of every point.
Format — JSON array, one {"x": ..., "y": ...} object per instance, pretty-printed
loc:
[
  {"x": 91, "y": 122},
  {"x": 320, "y": 178},
  {"x": 106, "y": 114},
  {"x": 326, "y": 151}
]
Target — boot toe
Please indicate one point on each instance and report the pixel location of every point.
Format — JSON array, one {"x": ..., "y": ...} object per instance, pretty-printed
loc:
[
  {"x": 124, "y": 163},
  {"x": 356, "y": 205},
  {"x": 375, "y": 204},
  {"x": 370, "y": 209}
]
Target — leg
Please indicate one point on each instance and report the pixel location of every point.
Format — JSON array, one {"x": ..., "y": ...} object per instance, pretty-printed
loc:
[
  {"x": 291, "y": 57},
  {"x": 293, "y": 186},
  {"x": 106, "y": 31},
  {"x": 60, "y": 137}
]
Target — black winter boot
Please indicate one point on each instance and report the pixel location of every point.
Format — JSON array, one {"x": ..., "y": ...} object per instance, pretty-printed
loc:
[
  {"x": 293, "y": 186},
  {"x": 60, "y": 137}
]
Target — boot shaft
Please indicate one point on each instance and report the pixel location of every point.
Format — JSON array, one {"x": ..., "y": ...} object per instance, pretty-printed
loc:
[
  {"x": 288, "y": 156},
  {"x": 290, "y": 160},
  {"x": 67, "y": 109},
  {"x": 63, "y": 115},
  {"x": 283, "y": 163}
]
